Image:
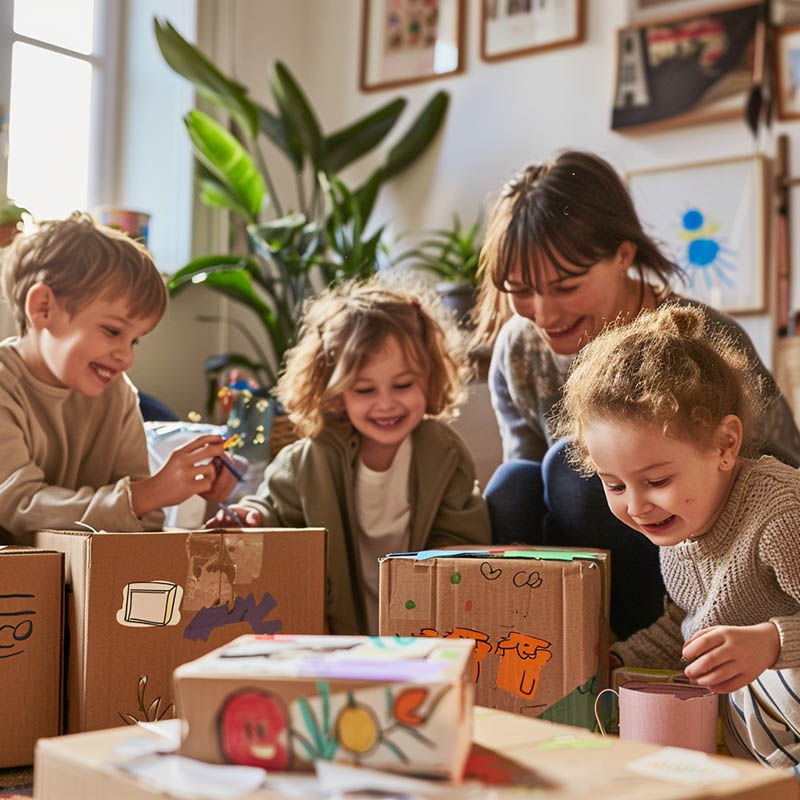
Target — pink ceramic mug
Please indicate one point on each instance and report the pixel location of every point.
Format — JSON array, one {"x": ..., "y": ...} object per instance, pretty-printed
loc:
[{"x": 667, "y": 714}]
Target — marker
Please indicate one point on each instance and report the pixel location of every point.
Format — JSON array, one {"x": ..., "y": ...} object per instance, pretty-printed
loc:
[
  {"x": 227, "y": 464},
  {"x": 232, "y": 514}
]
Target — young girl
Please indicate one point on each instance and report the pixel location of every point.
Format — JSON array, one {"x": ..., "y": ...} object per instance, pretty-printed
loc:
[
  {"x": 564, "y": 254},
  {"x": 660, "y": 409},
  {"x": 368, "y": 383}
]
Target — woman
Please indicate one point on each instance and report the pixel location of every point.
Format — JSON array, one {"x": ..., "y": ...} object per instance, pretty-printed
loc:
[{"x": 565, "y": 254}]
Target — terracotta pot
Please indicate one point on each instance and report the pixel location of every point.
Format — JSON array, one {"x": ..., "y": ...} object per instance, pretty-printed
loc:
[{"x": 7, "y": 233}]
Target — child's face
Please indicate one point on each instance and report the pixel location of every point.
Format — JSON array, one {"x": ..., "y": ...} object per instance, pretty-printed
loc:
[
  {"x": 89, "y": 350},
  {"x": 666, "y": 488},
  {"x": 573, "y": 309},
  {"x": 386, "y": 402}
]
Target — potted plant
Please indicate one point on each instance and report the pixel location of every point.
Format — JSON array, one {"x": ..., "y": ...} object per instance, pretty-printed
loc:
[
  {"x": 286, "y": 252},
  {"x": 452, "y": 255},
  {"x": 10, "y": 218}
]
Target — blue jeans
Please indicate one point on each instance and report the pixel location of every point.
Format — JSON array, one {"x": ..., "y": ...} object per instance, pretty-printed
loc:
[{"x": 548, "y": 503}]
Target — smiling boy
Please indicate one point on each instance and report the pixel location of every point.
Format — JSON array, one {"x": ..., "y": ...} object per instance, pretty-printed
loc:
[{"x": 73, "y": 447}]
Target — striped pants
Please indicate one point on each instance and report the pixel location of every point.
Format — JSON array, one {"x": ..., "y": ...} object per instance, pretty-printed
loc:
[{"x": 762, "y": 720}]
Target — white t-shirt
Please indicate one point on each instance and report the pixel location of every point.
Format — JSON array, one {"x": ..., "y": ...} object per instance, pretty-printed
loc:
[{"x": 384, "y": 515}]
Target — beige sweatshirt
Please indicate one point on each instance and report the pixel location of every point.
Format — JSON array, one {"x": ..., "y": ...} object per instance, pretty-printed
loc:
[
  {"x": 744, "y": 571},
  {"x": 66, "y": 458}
]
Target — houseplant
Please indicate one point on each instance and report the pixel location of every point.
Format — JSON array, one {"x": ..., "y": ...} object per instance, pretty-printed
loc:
[
  {"x": 285, "y": 252},
  {"x": 452, "y": 255}
]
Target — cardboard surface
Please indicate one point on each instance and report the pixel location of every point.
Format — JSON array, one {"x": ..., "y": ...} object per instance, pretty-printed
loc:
[
  {"x": 517, "y": 756},
  {"x": 31, "y": 647},
  {"x": 282, "y": 702},
  {"x": 539, "y": 620},
  {"x": 140, "y": 604}
]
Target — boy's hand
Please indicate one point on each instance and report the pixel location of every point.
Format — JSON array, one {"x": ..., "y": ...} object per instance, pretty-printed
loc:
[
  {"x": 727, "y": 657},
  {"x": 248, "y": 517},
  {"x": 188, "y": 470},
  {"x": 224, "y": 481}
]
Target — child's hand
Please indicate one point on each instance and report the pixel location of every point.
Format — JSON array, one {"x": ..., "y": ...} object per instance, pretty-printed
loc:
[
  {"x": 248, "y": 517},
  {"x": 188, "y": 470},
  {"x": 727, "y": 657},
  {"x": 225, "y": 480}
]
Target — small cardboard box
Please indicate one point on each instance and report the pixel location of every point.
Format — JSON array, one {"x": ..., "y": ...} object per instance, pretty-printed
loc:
[
  {"x": 31, "y": 648},
  {"x": 512, "y": 757},
  {"x": 140, "y": 604},
  {"x": 283, "y": 702},
  {"x": 538, "y": 619}
]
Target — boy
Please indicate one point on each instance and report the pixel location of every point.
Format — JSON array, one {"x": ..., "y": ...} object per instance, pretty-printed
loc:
[{"x": 72, "y": 443}]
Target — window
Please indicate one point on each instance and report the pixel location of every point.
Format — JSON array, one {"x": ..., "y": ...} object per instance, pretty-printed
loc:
[{"x": 58, "y": 77}]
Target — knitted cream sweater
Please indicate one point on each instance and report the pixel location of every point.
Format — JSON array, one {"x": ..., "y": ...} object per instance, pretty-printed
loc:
[{"x": 744, "y": 571}]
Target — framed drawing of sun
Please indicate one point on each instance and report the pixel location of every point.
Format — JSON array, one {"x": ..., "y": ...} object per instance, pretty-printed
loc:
[{"x": 709, "y": 217}]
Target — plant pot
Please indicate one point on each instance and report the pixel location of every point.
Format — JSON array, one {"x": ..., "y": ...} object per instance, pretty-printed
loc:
[
  {"x": 7, "y": 232},
  {"x": 458, "y": 297}
]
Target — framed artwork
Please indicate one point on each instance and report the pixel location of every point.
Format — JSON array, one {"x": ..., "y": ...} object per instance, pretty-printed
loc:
[
  {"x": 407, "y": 41},
  {"x": 710, "y": 217},
  {"x": 685, "y": 70},
  {"x": 511, "y": 28},
  {"x": 645, "y": 10},
  {"x": 787, "y": 72}
]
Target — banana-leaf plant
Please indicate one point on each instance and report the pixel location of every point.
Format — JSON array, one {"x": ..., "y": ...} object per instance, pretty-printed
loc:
[{"x": 291, "y": 249}]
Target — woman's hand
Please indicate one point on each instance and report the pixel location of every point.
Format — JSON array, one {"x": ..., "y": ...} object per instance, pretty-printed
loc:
[{"x": 727, "y": 657}]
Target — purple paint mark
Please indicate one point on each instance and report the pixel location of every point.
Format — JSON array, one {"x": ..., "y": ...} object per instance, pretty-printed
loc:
[{"x": 245, "y": 609}]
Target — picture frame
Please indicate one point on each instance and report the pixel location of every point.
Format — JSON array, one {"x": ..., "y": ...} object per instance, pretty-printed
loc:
[
  {"x": 513, "y": 28},
  {"x": 409, "y": 41},
  {"x": 711, "y": 219},
  {"x": 685, "y": 70},
  {"x": 787, "y": 72}
]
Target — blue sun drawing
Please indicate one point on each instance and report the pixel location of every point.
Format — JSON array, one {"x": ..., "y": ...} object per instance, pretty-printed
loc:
[{"x": 706, "y": 256}]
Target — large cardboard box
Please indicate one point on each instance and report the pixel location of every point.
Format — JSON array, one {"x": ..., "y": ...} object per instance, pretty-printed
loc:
[
  {"x": 283, "y": 702},
  {"x": 31, "y": 648},
  {"x": 140, "y": 604},
  {"x": 513, "y": 757},
  {"x": 538, "y": 619}
]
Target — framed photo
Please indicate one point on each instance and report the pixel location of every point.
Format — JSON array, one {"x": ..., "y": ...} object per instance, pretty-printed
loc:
[
  {"x": 685, "y": 70},
  {"x": 407, "y": 41},
  {"x": 511, "y": 28},
  {"x": 645, "y": 10},
  {"x": 787, "y": 72},
  {"x": 711, "y": 219}
]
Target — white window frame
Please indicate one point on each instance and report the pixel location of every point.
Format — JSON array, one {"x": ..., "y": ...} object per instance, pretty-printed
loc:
[{"x": 105, "y": 63}]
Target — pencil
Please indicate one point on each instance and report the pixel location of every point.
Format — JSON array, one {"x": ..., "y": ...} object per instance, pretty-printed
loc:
[
  {"x": 232, "y": 514},
  {"x": 227, "y": 464}
]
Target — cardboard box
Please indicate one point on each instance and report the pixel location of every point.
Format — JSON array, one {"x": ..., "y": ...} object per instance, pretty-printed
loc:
[
  {"x": 140, "y": 604},
  {"x": 282, "y": 702},
  {"x": 515, "y": 755},
  {"x": 538, "y": 618},
  {"x": 31, "y": 648}
]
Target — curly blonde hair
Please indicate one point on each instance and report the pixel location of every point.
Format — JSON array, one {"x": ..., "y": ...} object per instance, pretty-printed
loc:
[
  {"x": 345, "y": 325},
  {"x": 666, "y": 367},
  {"x": 81, "y": 261}
]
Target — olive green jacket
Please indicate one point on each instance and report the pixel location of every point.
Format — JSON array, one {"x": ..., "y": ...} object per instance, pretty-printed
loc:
[{"x": 311, "y": 483}]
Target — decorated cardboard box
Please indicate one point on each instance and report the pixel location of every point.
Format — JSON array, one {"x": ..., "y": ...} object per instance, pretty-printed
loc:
[
  {"x": 31, "y": 642},
  {"x": 140, "y": 604},
  {"x": 512, "y": 757},
  {"x": 283, "y": 702},
  {"x": 538, "y": 620}
]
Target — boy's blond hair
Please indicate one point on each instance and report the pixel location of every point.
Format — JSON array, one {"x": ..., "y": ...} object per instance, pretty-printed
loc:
[
  {"x": 667, "y": 367},
  {"x": 345, "y": 325},
  {"x": 81, "y": 261}
]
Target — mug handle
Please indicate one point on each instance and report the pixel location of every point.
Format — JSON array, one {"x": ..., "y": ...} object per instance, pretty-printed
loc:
[{"x": 596, "y": 712}]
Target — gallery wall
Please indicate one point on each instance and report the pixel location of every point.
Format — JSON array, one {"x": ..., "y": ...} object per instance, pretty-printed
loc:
[{"x": 502, "y": 115}]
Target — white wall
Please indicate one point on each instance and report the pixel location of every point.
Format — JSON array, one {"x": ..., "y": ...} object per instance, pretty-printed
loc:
[{"x": 502, "y": 115}]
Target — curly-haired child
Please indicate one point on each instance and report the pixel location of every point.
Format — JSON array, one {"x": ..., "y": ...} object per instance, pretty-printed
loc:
[
  {"x": 373, "y": 376},
  {"x": 660, "y": 409}
]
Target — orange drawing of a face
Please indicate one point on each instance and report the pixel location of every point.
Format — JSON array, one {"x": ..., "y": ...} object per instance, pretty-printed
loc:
[
  {"x": 522, "y": 659},
  {"x": 254, "y": 731}
]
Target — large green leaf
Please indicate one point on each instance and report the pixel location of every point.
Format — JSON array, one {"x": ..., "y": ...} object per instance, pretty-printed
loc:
[
  {"x": 418, "y": 137},
  {"x": 186, "y": 274},
  {"x": 296, "y": 110},
  {"x": 354, "y": 141},
  {"x": 228, "y": 160},
  {"x": 216, "y": 195},
  {"x": 287, "y": 139},
  {"x": 188, "y": 61}
]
